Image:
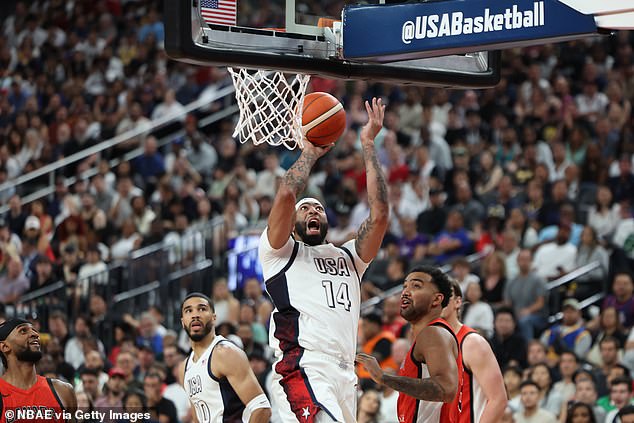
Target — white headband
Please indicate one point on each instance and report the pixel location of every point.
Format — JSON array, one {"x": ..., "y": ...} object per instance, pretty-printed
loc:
[{"x": 307, "y": 200}]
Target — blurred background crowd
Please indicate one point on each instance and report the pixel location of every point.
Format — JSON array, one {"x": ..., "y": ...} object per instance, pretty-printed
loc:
[{"x": 524, "y": 192}]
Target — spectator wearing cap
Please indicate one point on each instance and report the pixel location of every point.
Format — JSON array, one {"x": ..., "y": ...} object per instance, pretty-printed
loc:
[
  {"x": 570, "y": 334},
  {"x": 13, "y": 284},
  {"x": 556, "y": 258},
  {"x": 527, "y": 295},
  {"x": 377, "y": 343},
  {"x": 115, "y": 389},
  {"x": 453, "y": 241}
]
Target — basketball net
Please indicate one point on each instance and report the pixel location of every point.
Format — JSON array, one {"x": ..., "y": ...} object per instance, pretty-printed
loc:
[{"x": 270, "y": 107}]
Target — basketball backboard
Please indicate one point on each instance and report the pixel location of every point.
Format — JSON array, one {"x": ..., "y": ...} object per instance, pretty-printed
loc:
[{"x": 304, "y": 36}]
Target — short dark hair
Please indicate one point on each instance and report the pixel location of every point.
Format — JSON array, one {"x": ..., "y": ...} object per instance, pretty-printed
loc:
[
  {"x": 572, "y": 353},
  {"x": 622, "y": 380},
  {"x": 198, "y": 295},
  {"x": 456, "y": 290},
  {"x": 530, "y": 382},
  {"x": 438, "y": 278},
  {"x": 87, "y": 371},
  {"x": 610, "y": 338},
  {"x": 506, "y": 310}
]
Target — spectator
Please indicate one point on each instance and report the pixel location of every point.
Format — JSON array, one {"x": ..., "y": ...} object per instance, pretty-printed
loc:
[
  {"x": 150, "y": 166},
  {"x": 585, "y": 393},
  {"x": 568, "y": 365},
  {"x": 453, "y": 241},
  {"x": 527, "y": 295},
  {"x": 605, "y": 215},
  {"x": 74, "y": 351},
  {"x": 532, "y": 413},
  {"x": 432, "y": 221},
  {"x": 112, "y": 398},
  {"x": 127, "y": 362},
  {"x": 369, "y": 407},
  {"x": 13, "y": 284},
  {"x": 590, "y": 251},
  {"x": 549, "y": 399},
  {"x": 609, "y": 349},
  {"x": 493, "y": 280},
  {"x": 580, "y": 412},
  {"x": 508, "y": 345},
  {"x": 478, "y": 314},
  {"x": 622, "y": 186},
  {"x": 566, "y": 217},
  {"x": 160, "y": 408},
  {"x": 148, "y": 333},
  {"x": 620, "y": 396},
  {"x": 248, "y": 316},
  {"x": 377, "y": 343},
  {"x": 622, "y": 298},
  {"x": 471, "y": 210},
  {"x": 512, "y": 381},
  {"x": 392, "y": 320},
  {"x": 226, "y": 306},
  {"x": 43, "y": 275},
  {"x": 554, "y": 259},
  {"x": 89, "y": 383},
  {"x": 460, "y": 270},
  {"x": 626, "y": 414},
  {"x": 609, "y": 326},
  {"x": 571, "y": 334},
  {"x": 142, "y": 215},
  {"x": 510, "y": 249}
]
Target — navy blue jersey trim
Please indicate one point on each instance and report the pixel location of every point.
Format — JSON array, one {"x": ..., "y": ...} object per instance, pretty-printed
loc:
[
  {"x": 285, "y": 268},
  {"x": 353, "y": 263},
  {"x": 312, "y": 393},
  {"x": 52, "y": 388}
]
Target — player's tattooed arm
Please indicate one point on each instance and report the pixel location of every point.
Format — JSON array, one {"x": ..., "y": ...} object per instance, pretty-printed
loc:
[
  {"x": 280, "y": 222},
  {"x": 422, "y": 389},
  {"x": 371, "y": 232}
]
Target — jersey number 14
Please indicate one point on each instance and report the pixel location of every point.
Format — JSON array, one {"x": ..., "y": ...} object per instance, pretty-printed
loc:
[{"x": 342, "y": 298}]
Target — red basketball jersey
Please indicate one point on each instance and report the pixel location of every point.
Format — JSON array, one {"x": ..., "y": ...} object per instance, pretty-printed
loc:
[
  {"x": 40, "y": 403},
  {"x": 412, "y": 410},
  {"x": 470, "y": 401}
]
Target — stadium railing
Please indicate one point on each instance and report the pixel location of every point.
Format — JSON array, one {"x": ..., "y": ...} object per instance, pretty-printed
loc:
[{"x": 51, "y": 171}]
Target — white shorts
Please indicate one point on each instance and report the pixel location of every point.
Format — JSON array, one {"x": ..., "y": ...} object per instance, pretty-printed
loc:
[{"x": 319, "y": 389}]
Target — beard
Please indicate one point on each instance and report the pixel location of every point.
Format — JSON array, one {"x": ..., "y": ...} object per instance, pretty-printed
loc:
[
  {"x": 312, "y": 240},
  {"x": 197, "y": 337},
  {"x": 29, "y": 356},
  {"x": 413, "y": 314}
]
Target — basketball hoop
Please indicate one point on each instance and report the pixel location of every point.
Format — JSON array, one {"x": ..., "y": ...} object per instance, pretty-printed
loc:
[{"x": 270, "y": 107}]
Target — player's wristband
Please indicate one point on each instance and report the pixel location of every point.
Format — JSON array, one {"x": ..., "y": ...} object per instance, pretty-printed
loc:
[{"x": 261, "y": 401}]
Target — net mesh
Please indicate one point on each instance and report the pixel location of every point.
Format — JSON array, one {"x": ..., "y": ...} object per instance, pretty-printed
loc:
[{"x": 270, "y": 107}]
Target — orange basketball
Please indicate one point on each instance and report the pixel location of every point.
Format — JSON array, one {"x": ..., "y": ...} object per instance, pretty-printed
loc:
[{"x": 323, "y": 119}]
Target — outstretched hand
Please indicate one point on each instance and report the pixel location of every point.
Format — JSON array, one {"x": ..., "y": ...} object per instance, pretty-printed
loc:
[
  {"x": 372, "y": 366},
  {"x": 376, "y": 112}
]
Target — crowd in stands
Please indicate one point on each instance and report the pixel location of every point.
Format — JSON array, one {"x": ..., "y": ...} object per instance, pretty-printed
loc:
[{"x": 535, "y": 174}]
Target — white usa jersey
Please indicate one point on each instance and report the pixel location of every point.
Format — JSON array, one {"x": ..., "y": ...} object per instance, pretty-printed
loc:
[
  {"x": 213, "y": 398},
  {"x": 317, "y": 296}
]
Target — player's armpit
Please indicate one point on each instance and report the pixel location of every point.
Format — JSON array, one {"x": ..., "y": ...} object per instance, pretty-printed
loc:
[
  {"x": 232, "y": 362},
  {"x": 479, "y": 358}
]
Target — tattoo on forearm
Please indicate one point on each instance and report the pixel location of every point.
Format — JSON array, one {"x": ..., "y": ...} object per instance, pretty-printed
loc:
[
  {"x": 378, "y": 196},
  {"x": 296, "y": 177},
  {"x": 422, "y": 389}
]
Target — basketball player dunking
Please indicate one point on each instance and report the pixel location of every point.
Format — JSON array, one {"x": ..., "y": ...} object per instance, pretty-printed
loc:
[
  {"x": 428, "y": 378},
  {"x": 315, "y": 288},
  {"x": 217, "y": 376},
  {"x": 21, "y": 388},
  {"x": 481, "y": 394}
]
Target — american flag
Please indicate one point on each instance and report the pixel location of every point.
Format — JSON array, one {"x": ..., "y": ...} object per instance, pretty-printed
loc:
[{"x": 222, "y": 12}]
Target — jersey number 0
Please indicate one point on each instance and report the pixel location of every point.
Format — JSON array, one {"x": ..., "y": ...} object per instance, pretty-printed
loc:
[{"x": 342, "y": 298}]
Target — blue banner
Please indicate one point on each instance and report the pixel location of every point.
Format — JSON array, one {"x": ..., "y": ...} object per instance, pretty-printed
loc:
[{"x": 415, "y": 30}]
